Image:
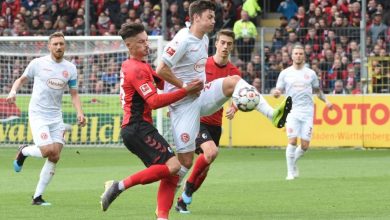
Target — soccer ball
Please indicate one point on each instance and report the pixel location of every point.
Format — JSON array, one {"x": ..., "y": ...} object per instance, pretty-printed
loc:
[{"x": 246, "y": 99}]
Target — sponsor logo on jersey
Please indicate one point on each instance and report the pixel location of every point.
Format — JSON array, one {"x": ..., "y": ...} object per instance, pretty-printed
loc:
[
  {"x": 185, "y": 137},
  {"x": 44, "y": 136},
  {"x": 46, "y": 69},
  {"x": 55, "y": 83},
  {"x": 200, "y": 65},
  {"x": 145, "y": 89},
  {"x": 65, "y": 74},
  {"x": 170, "y": 51}
]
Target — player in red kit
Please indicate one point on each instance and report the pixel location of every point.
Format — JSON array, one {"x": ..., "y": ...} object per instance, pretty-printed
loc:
[
  {"x": 138, "y": 97},
  {"x": 207, "y": 142}
]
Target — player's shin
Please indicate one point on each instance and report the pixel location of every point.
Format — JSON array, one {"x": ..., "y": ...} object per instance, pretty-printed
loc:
[
  {"x": 290, "y": 154},
  {"x": 45, "y": 177},
  {"x": 182, "y": 173},
  {"x": 146, "y": 176},
  {"x": 298, "y": 153},
  {"x": 264, "y": 108},
  {"x": 165, "y": 196}
]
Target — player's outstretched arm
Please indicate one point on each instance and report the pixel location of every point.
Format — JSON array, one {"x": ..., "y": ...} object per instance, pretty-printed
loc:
[
  {"x": 77, "y": 105},
  {"x": 15, "y": 87},
  {"x": 156, "y": 100},
  {"x": 322, "y": 97},
  {"x": 165, "y": 72}
]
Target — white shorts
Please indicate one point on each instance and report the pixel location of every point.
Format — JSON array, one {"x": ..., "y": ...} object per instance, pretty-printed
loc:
[
  {"x": 299, "y": 125},
  {"x": 185, "y": 118},
  {"x": 46, "y": 131}
]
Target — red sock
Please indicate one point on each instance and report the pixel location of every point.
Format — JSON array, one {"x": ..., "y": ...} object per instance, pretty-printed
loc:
[
  {"x": 198, "y": 182},
  {"x": 166, "y": 194},
  {"x": 200, "y": 165},
  {"x": 146, "y": 176}
]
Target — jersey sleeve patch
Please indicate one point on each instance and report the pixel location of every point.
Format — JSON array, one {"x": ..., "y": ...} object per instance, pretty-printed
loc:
[
  {"x": 170, "y": 51},
  {"x": 145, "y": 89}
]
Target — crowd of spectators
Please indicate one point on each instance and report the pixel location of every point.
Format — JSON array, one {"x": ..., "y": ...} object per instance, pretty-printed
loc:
[{"x": 328, "y": 30}]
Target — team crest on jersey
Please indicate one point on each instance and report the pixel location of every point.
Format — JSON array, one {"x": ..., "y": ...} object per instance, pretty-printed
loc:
[
  {"x": 200, "y": 65},
  {"x": 65, "y": 74},
  {"x": 306, "y": 76},
  {"x": 185, "y": 137},
  {"x": 170, "y": 51},
  {"x": 145, "y": 89},
  {"x": 290, "y": 130},
  {"x": 44, "y": 136}
]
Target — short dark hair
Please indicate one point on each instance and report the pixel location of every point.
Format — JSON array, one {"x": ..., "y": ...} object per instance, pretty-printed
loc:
[
  {"x": 199, "y": 6},
  {"x": 130, "y": 30},
  {"x": 56, "y": 34},
  {"x": 226, "y": 32}
]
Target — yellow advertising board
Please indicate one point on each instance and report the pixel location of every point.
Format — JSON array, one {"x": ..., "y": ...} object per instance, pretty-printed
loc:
[{"x": 356, "y": 121}]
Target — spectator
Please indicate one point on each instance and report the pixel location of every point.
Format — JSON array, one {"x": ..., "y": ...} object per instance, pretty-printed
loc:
[
  {"x": 246, "y": 33},
  {"x": 377, "y": 29},
  {"x": 288, "y": 8},
  {"x": 253, "y": 9},
  {"x": 103, "y": 23},
  {"x": 257, "y": 83},
  {"x": 339, "y": 88}
]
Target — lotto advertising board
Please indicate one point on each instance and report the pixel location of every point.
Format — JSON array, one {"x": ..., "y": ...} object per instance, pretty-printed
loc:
[{"x": 355, "y": 121}]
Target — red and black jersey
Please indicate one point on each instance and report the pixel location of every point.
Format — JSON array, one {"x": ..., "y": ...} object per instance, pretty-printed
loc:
[
  {"x": 138, "y": 92},
  {"x": 215, "y": 71}
]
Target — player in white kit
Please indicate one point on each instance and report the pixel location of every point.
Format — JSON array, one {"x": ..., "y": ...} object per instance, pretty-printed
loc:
[
  {"x": 184, "y": 60},
  {"x": 299, "y": 82},
  {"x": 52, "y": 74}
]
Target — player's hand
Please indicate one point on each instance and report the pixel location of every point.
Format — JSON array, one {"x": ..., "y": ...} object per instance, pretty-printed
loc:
[
  {"x": 11, "y": 98},
  {"x": 81, "y": 121},
  {"x": 230, "y": 112},
  {"x": 194, "y": 87},
  {"x": 276, "y": 92},
  {"x": 329, "y": 105}
]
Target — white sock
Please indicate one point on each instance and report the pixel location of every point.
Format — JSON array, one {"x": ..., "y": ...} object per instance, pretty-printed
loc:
[
  {"x": 182, "y": 173},
  {"x": 298, "y": 153},
  {"x": 121, "y": 186},
  {"x": 32, "y": 151},
  {"x": 264, "y": 108},
  {"x": 290, "y": 156},
  {"x": 45, "y": 177}
]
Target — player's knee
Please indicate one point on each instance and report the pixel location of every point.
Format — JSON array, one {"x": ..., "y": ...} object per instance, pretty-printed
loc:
[
  {"x": 305, "y": 147},
  {"x": 174, "y": 167},
  {"x": 211, "y": 154},
  {"x": 229, "y": 84},
  {"x": 54, "y": 156}
]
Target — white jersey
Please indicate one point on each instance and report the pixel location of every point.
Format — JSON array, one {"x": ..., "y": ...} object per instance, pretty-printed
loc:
[
  {"x": 299, "y": 85},
  {"x": 50, "y": 81},
  {"x": 186, "y": 55}
]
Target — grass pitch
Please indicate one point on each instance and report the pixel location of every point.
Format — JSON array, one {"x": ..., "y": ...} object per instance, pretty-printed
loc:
[{"x": 242, "y": 184}]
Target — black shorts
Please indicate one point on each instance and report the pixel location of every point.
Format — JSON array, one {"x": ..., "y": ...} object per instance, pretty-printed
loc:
[
  {"x": 207, "y": 133},
  {"x": 149, "y": 146}
]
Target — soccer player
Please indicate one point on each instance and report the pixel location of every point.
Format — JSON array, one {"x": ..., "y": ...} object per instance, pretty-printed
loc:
[
  {"x": 207, "y": 141},
  {"x": 183, "y": 60},
  {"x": 52, "y": 74},
  {"x": 138, "y": 97},
  {"x": 299, "y": 82}
]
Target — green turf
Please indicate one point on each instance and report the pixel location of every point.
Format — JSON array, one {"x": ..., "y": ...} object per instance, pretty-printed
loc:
[{"x": 242, "y": 184}]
